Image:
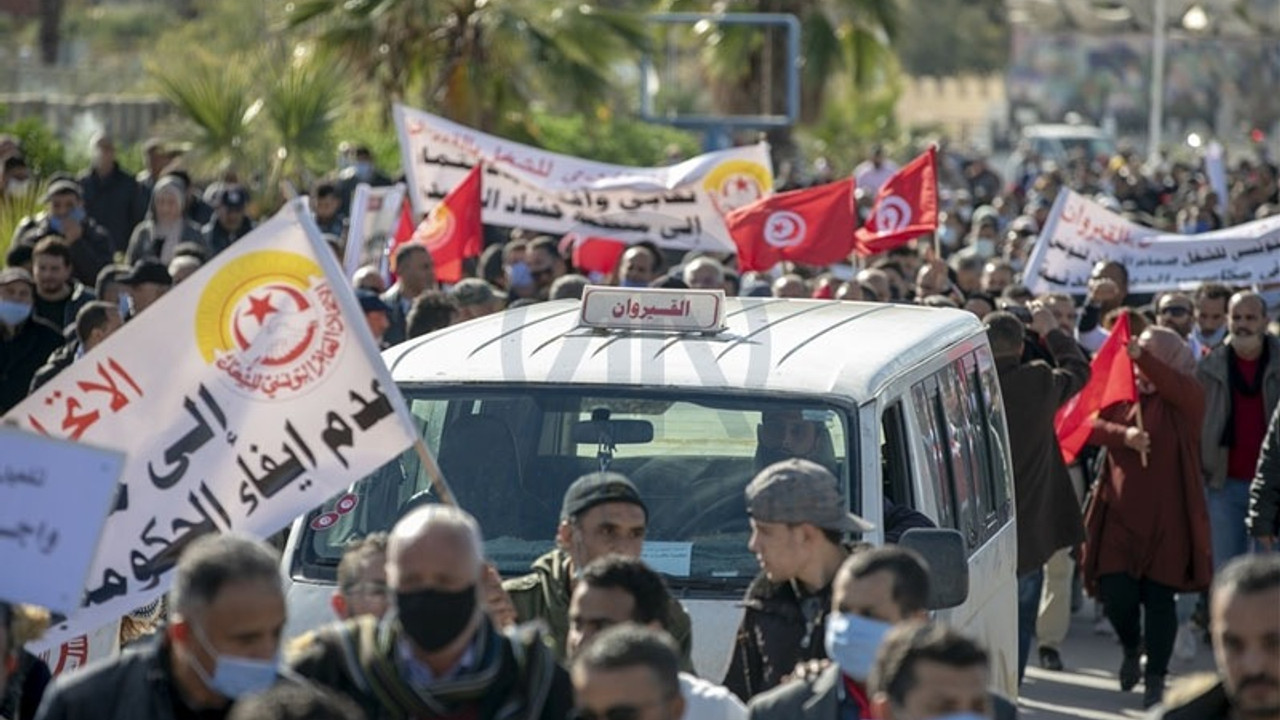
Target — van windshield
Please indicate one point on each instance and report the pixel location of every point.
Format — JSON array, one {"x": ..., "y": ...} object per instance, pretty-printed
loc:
[{"x": 510, "y": 455}]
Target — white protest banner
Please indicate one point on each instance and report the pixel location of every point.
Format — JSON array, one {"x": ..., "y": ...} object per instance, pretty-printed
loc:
[
  {"x": 247, "y": 395},
  {"x": 54, "y": 497},
  {"x": 1080, "y": 232},
  {"x": 374, "y": 214},
  {"x": 79, "y": 650},
  {"x": 680, "y": 206}
]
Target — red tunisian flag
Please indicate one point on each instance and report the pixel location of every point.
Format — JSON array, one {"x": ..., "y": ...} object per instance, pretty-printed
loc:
[
  {"x": 594, "y": 255},
  {"x": 813, "y": 226},
  {"x": 905, "y": 208},
  {"x": 452, "y": 230},
  {"x": 1110, "y": 382}
]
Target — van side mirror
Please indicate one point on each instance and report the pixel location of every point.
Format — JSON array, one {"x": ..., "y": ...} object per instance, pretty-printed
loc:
[{"x": 943, "y": 549}]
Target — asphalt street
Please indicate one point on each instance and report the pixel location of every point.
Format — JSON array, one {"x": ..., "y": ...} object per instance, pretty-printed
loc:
[{"x": 1088, "y": 686}]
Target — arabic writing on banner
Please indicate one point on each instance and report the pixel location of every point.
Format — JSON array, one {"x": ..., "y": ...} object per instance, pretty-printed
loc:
[
  {"x": 54, "y": 497},
  {"x": 1080, "y": 232},
  {"x": 247, "y": 395},
  {"x": 680, "y": 206},
  {"x": 374, "y": 214}
]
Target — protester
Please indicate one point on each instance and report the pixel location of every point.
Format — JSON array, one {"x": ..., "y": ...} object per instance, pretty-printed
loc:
[
  {"x": 1211, "y": 315},
  {"x": 473, "y": 298},
  {"x": 376, "y": 314},
  {"x": 1048, "y": 511},
  {"x": 545, "y": 264},
  {"x": 165, "y": 226},
  {"x": 1241, "y": 380},
  {"x": 23, "y": 676},
  {"x": 873, "y": 172},
  {"x": 362, "y": 170},
  {"x": 296, "y": 702},
  {"x": 367, "y": 277},
  {"x": 628, "y": 672},
  {"x": 432, "y": 310},
  {"x": 798, "y": 526},
  {"x": 182, "y": 267},
  {"x": 1176, "y": 311},
  {"x": 997, "y": 276},
  {"x": 15, "y": 177},
  {"x": 145, "y": 282},
  {"x": 95, "y": 321},
  {"x": 1264, "y": 493},
  {"x": 601, "y": 514},
  {"x": 436, "y": 654},
  {"x": 616, "y": 589},
  {"x": 230, "y": 222},
  {"x": 415, "y": 274},
  {"x": 64, "y": 215},
  {"x": 25, "y": 341},
  {"x": 1148, "y": 534},
  {"x": 59, "y": 296},
  {"x": 326, "y": 206},
  {"x": 790, "y": 286},
  {"x": 112, "y": 198},
  {"x": 1108, "y": 290},
  {"x": 227, "y": 611},
  {"x": 704, "y": 273},
  {"x": 155, "y": 157},
  {"x": 638, "y": 266},
  {"x": 568, "y": 287},
  {"x": 930, "y": 672},
  {"x": 1245, "y": 628}
]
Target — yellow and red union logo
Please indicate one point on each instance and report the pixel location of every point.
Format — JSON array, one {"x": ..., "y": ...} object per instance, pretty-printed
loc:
[
  {"x": 270, "y": 323},
  {"x": 737, "y": 183},
  {"x": 438, "y": 226}
]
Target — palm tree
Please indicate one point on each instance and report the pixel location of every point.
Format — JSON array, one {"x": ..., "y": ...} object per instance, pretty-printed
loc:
[{"x": 479, "y": 62}]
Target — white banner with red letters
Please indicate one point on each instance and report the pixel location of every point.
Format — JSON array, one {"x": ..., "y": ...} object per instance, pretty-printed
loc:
[
  {"x": 1079, "y": 232},
  {"x": 247, "y": 395},
  {"x": 680, "y": 206}
]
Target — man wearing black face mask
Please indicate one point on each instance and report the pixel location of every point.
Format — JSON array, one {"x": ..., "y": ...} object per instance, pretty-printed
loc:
[{"x": 436, "y": 654}]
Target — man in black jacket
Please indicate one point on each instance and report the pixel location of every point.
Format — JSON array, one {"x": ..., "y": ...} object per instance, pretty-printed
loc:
[
  {"x": 1264, "y": 491},
  {"x": 436, "y": 653},
  {"x": 227, "y": 613},
  {"x": 112, "y": 197},
  {"x": 25, "y": 341}
]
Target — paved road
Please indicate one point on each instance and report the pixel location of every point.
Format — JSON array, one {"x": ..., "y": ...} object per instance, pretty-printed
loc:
[{"x": 1088, "y": 688}]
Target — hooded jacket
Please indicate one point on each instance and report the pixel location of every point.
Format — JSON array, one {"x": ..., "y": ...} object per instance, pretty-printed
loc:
[{"x": 779, "y": 630}]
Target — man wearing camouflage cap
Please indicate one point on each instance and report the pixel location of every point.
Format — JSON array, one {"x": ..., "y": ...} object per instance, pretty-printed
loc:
[
  {"x": 799, "y": 521},
  {"x": 602, "y": 515}
]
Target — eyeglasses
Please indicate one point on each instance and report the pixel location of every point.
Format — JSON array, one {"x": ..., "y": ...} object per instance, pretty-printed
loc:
[
  {"x": 369, "y": 588},
  {"x": 617, "y": 712},
  {"x": 541, "y": 272},
  {"x": 1175, "y": 311}
]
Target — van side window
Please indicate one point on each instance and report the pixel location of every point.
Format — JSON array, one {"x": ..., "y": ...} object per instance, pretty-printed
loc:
[
  {"x": 960, "y": 441},
  {"x": 895, "y": 467},
  {"x": 1000, "y": 479},
  {"x": 928, "y": 403}
]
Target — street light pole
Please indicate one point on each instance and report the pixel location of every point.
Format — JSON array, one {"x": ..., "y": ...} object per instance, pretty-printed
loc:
[{"x": 1155, "y": 118}]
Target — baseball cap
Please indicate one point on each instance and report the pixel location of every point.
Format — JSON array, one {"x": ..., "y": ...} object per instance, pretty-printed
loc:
[
  {"x": 474, "y": 291},
  {"x": 57, "y": 187},
  {"x": 233, "y": 197},
  {"x": 16, "y": 274},
  {"x": 147, "y": 271},
  {"x": 801, "y": 491},
  {"x": 370, "y": 302},
  {"x": 598, "y": 488}
]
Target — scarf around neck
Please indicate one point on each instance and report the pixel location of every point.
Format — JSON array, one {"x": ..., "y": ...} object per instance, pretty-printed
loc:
[{"x": 1238, "y": 384}]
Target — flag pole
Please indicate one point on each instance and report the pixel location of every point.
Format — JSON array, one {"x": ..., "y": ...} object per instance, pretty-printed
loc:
[
  {"x": 433, "y": 471},
  {"x": 1141, "y": 428}
]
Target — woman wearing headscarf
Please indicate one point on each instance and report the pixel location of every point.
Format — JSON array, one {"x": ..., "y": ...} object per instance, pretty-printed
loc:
[
  {"x": 1147, "y": 527},
  {"x": 166, "y": 225}
]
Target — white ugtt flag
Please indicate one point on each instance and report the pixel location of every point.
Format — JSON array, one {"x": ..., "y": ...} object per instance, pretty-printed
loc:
[{"x": 246, "y": 396}]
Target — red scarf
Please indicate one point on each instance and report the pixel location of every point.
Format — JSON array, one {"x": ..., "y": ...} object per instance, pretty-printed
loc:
[{"x": 859, "y": 696}]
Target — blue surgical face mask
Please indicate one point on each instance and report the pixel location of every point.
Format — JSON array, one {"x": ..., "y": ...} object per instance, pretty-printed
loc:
[
  {"x": 984, "y": 247},
  {"x": 520, "y": 275},
  {"x": 364, "y": 170},
  {"x": 633, "y": 284},
  {"x": 14, "y": 313},
  {"x": 234, "y": 677},
  {"x": 852, "y": 641},
  {"x": 125, "y": 303}
]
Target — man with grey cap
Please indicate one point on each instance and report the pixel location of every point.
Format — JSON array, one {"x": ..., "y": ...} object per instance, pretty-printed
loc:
[
  {"x": 25, "y": 341},
  {"x": 64, "y": 215},
  {"x": 799, "y": 521},
  {"x": 476, "y": 298},
  {"x": 602, "y": 514}
]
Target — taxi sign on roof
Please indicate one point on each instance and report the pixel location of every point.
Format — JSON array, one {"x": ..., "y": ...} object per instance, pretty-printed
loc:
[{"x": 616, "y": 308}]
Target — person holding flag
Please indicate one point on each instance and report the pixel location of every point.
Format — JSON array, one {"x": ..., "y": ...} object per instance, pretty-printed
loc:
[{"x": 1147, "y": 525}]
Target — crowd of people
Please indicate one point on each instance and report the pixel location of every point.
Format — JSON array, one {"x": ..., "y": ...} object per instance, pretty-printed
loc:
[{"x": 1169, "y": 518}]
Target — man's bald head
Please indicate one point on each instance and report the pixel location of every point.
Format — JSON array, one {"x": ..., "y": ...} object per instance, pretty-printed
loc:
[{"x": 432, "y": 543}]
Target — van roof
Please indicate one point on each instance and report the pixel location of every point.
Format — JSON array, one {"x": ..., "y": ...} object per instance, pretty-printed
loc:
[{"x": 770, "y": 344}]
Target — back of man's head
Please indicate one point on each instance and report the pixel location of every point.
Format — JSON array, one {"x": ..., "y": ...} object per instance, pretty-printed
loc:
[
  {"x": 896, "y": 675},
  {"x": 1005, "y": 332},
  {"x": 634, "y": 577},
  {"x": 628, "y": 646},
  {"x": 1246, "y": 575},
  {"x": 289, "y": 701},
  {"x": 214, "y": 562},
  {"x": 909, "y": 571}
]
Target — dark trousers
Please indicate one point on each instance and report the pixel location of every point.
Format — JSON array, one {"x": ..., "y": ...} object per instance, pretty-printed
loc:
[
  {"x": 1131, "y": 602},
  {"x": 1029, "y": 589}
]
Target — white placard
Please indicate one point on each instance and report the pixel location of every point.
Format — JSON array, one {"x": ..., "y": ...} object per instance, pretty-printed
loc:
[
  {"x": 669, "y": 558},
  {"x": 652, "y": 309},
  {"x": 374, "y": 214},
  {"x": 1079, "y": 232},
  {"x": 680, "y": 206},
  {"x": 245, "y": 396},
  {"x": 54, "y": 498}
]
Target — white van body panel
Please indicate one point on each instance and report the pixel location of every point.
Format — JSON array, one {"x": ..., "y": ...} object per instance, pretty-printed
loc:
[{"x": 852, "y": 354}]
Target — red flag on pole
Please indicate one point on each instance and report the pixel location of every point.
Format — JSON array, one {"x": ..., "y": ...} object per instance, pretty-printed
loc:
[
  {"x": 596, "y": 255},
  {"x": 1111, "y": 382},
  {"x": 905, "y": 208},
  {"x": 452, "y": 230},
  {"x": 813, "y": 226}
]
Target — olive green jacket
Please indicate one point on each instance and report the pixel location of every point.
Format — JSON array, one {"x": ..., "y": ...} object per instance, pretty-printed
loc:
[{"x": 544, "y": 595}]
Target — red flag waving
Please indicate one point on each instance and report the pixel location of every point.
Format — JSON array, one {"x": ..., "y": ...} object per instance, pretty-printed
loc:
[
  {"x": 452, "y": 231},
  {"x": 905, "y": 208},
  {"x": 1111, "y": 381},
  {"x": 596, "y": 255},
  {"x": 813, "y": 226}
]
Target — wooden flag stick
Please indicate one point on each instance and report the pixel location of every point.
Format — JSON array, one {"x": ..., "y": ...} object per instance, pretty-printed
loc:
[
  {"x": 437, "y": 478},
  {"x": 1142, "y": 429}
]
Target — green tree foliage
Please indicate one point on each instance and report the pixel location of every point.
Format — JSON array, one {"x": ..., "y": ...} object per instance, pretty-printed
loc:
[
  {"x": 944, "y": 38},
  {"x": 44, "y": 152},
  {"x": 623, "y": 142}
]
